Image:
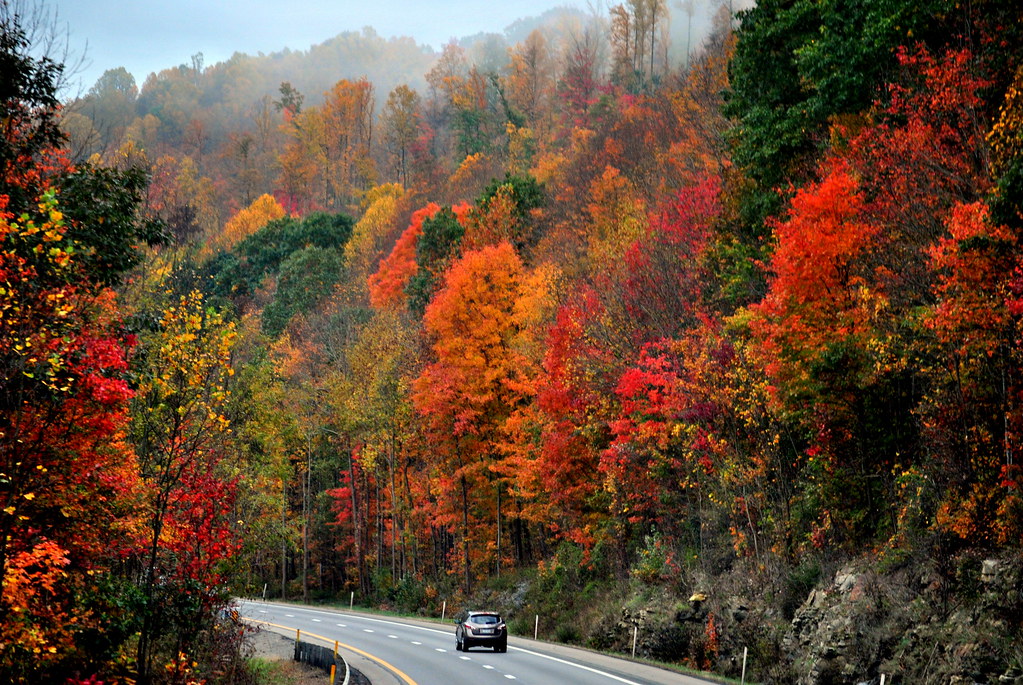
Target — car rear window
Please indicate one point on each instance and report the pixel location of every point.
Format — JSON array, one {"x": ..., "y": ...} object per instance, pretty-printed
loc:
[{"x": 485, "y": 619}]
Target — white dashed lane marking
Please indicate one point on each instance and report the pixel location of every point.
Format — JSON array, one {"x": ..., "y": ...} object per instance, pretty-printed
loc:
[
  {"x": 521, "y": 650},
  {"x": 367, "y": 630}
]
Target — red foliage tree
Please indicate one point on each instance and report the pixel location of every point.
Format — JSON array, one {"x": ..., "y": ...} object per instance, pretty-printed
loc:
[
  {"x": 387, "y": 284},
  {"x": 976, "y": 396}
]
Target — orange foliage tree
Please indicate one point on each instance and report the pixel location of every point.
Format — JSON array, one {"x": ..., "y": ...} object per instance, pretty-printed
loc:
[{"x": 468, "y": 393}]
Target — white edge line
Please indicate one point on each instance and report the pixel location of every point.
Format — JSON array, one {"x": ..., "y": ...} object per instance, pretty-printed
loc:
[
  {"x": 589, "y": 669},
  {"x": 612, "y": 676}
]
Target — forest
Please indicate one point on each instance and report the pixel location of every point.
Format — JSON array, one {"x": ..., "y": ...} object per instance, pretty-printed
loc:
[{"x": 585, "y": 318}]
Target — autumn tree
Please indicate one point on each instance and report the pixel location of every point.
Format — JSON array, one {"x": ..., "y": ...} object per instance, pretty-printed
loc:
[
  {"x": 622, "y": 48},
  {"x": 401, "y": 128},
  {"x": 68, "y": 482},
  {"x": 110, "y": 106},
  {"x": 476, "y": 120},
  {"x": 436, "y": 248},
  {"x": 699, "y": 144},
  {"x": 297, "y": 159},
  {"x": 823, "y": 334},
  {"x": 247, "y": 221},
  {"x": 579, "y": 85},
  {"x": 381, "y": 208},
  {"x": 445, "y": 78},
  {"x": 974, "y": 329},
  {"x": 617, "y": 218},
  {"x": 387, "y": 285},
  {"x": 556, "y": 478},
  {"x": 345, "y": 140},
  {"x": 635, "y": 34},
  {"x": 466, "y": 395},
  {"x": 183, "y": 199},
  {"x": 370, "y": 392},
  {"x": 247, "y": 159},
  {"x": 68, "y": 474},
  {"x": 179, "y": 431},
  {"x": 531, "y": 78},
  {"x": 810, "y": 80},
  {"x": 266, "y": 435},
  {"x": 507, "y": 210}
]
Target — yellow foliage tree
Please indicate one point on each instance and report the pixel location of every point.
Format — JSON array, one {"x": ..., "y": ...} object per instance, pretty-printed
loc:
[
  {"x": 618, "y": 218},
  {"x": 369, "y": 235},
  {"x": 247, "y": 221}
]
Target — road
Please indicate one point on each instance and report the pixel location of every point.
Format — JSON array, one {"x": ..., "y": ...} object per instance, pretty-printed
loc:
[{"x": 409, "y": 652}]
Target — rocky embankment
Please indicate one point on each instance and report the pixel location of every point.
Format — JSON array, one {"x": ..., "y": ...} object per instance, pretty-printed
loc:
[
  {"x": 912, "y": 627},
  {"x": 958, "y": 625}
]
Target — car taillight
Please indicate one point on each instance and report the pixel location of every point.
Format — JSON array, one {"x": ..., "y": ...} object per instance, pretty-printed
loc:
[{"x": 468, "y": 627}]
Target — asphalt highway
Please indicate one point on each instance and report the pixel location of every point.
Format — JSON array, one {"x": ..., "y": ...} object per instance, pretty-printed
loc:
[{"x": 409, "y": 652}]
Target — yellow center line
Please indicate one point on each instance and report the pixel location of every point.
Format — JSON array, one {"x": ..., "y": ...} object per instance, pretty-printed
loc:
[{"x": 398, "y": 672}]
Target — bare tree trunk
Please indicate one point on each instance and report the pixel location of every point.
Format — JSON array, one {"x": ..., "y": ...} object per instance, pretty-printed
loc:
[
  {"x": 284, "y": 544},
  {"x": 380, "y": 530},
  {"x": 356, "y": 533},
  {"x": 498, "y": 529},
  {"x": 414, "y": 553},
  {"x": 306, "y": 485},
  {"x": 465, "y": 534},
  {"x": 394, "y": 511}
]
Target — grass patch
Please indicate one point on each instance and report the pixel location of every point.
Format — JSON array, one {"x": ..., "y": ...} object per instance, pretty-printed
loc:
[{"x": 265, "y": 672}]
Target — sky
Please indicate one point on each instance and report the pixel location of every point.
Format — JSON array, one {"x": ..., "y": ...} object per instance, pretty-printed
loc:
[{"x": 150, "y": 35}]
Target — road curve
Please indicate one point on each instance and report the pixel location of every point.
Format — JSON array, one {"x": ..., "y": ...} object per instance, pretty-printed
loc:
[{"x": 409, "y": 652}]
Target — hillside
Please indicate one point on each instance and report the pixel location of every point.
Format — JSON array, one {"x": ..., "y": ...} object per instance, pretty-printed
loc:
[{"x": 720, "y": 342}]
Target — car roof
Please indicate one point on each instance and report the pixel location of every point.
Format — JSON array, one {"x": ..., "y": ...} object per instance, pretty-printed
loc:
[{"x": 483, "y": 613}]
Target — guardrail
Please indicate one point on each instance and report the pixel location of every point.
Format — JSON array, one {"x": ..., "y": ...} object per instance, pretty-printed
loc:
[
  {"x": 352, "y": 675},
  {"x": 326, "y": 658}
]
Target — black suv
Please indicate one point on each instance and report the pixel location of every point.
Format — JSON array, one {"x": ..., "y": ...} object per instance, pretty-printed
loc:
[{"x": 483, "y": 629}]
